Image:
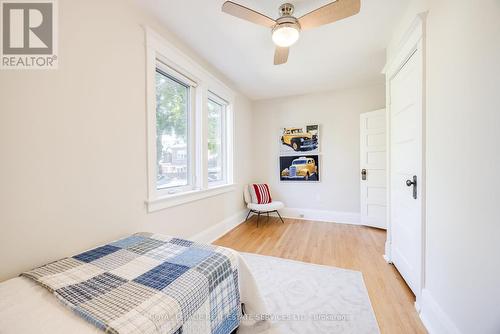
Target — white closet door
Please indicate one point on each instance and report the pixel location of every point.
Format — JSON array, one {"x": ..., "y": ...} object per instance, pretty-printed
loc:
[{"x": 406, "y": 168}]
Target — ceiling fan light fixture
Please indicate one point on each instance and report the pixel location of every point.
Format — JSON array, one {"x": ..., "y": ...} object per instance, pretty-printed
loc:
[
  {"x": 286, "y": 34},
  {"x": 286, "y": 29}
]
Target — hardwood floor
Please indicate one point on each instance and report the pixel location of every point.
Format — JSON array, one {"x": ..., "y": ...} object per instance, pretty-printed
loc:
[{"x": 345, "y": 246}]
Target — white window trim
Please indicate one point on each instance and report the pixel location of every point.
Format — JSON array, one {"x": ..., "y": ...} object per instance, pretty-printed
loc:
[
  {"x": 191, "y": 144},
  {"x": 157, "y": 48},
  {"x": 224, "y": 138}
]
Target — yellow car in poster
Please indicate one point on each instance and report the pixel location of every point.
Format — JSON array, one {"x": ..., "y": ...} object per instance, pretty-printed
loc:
[
  {"x": 301, "y": 168},
  {"x": 299, "y": 140}
]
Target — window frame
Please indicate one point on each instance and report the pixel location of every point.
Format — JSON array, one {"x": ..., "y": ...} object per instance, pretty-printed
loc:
[
  {"x": 170, "y": 73},
  {"x": 203, "y": 86},
  {"x": 224, "y": 104}
]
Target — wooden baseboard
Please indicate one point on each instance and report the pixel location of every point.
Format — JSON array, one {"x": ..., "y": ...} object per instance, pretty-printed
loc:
[
  {"x": 435, "y": 320},
  {"x": 322, "y": 215},
  {"x": 216, "y": 231}
]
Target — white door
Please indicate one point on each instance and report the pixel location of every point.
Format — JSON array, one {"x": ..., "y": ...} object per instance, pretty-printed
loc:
[
  {"x": 373, "y": 168},
  {"x": 406, "y": 166}
]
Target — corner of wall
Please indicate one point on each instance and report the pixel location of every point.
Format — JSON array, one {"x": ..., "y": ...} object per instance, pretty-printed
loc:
[
  {"x": 435, "y": 320},
  {"x": 216, "y": 231}
]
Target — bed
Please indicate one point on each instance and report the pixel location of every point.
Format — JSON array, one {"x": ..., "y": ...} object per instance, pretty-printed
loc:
[{"x": 144, "y": 283}]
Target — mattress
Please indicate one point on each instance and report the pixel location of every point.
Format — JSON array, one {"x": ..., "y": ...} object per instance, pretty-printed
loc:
[{"x": 28, "y": 307}]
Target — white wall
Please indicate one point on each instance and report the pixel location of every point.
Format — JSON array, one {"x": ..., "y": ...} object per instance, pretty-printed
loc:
[
  {"x": 338, "y": 115},
  {"x": 73, "y": 144},
  {"x": 463, "y": 160}
]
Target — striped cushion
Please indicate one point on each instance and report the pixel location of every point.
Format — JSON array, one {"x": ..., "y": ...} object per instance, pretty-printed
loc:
[{"x": 260, "y": 193}]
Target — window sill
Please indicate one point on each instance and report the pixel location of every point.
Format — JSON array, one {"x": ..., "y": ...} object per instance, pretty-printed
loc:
[{"x": 186, "y": 197}]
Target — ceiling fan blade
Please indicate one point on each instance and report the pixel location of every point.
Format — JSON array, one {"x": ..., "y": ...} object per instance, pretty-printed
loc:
[
  {"x": 281, "y": 55},
  {"x": 332, "y": 12},
  {"x": 248, "y": 14}
]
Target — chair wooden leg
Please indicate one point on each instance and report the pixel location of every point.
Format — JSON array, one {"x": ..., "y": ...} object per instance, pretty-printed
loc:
[
  {"x": 258, "y": 217},
  {"x": 280, "y": 216},
  {"x": 267, "y": 216}
]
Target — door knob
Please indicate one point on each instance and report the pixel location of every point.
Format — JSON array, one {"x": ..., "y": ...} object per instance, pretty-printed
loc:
[
  {"x": 413, "y": 183},
  {"x": 363, "y": 174}
]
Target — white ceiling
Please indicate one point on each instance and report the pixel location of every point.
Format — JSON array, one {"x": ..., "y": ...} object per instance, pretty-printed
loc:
[{"x": 344, "y": 54}]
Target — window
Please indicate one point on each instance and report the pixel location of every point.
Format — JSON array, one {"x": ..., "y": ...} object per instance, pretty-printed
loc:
[
  {"x": 299, "y": 162},
  {"x": 190, "y": 132},
  {"x": 172, "y": 132},
  {"x": 216, "y": 140}
]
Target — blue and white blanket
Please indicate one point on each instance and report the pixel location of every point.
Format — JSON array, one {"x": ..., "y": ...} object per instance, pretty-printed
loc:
[{"x": 149, "y": 283}]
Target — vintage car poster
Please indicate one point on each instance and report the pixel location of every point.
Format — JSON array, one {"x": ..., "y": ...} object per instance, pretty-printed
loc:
[
  {"x": 295, "y": 140},
  {"x": 299, "y": 168}
]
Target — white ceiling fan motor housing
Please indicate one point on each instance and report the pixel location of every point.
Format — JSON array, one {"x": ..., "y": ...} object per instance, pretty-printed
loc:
[{"x": 286, "y": 9}]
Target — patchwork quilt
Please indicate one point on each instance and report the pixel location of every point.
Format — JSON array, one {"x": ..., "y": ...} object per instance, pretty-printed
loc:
[{"x": 149, "y": 283}]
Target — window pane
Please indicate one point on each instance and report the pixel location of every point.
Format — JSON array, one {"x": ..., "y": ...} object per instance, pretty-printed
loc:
[
  {"x": 172, "y": 144},
  {"x": 215, "y": 141}
]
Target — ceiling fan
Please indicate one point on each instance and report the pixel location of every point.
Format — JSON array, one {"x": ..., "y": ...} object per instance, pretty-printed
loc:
[{"x": 286, "y": 29}]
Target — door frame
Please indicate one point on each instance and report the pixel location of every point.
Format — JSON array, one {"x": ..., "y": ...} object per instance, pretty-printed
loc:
[{"x": 413, "y": 43}]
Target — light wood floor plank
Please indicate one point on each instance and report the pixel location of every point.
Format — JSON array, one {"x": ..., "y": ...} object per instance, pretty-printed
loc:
[{"x": 344, "y": 246}]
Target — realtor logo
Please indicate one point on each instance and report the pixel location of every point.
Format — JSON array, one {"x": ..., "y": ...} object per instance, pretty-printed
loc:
[{"x": 28, "y": 34}]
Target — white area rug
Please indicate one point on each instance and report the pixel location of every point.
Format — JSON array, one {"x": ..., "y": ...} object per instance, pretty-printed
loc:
[{"x": 307, "y": 298}]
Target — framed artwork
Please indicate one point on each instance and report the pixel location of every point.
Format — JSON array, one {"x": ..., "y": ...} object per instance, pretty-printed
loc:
[
  {"x": 295, "y": 140},
  {"x": 299, "y": 168}
]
